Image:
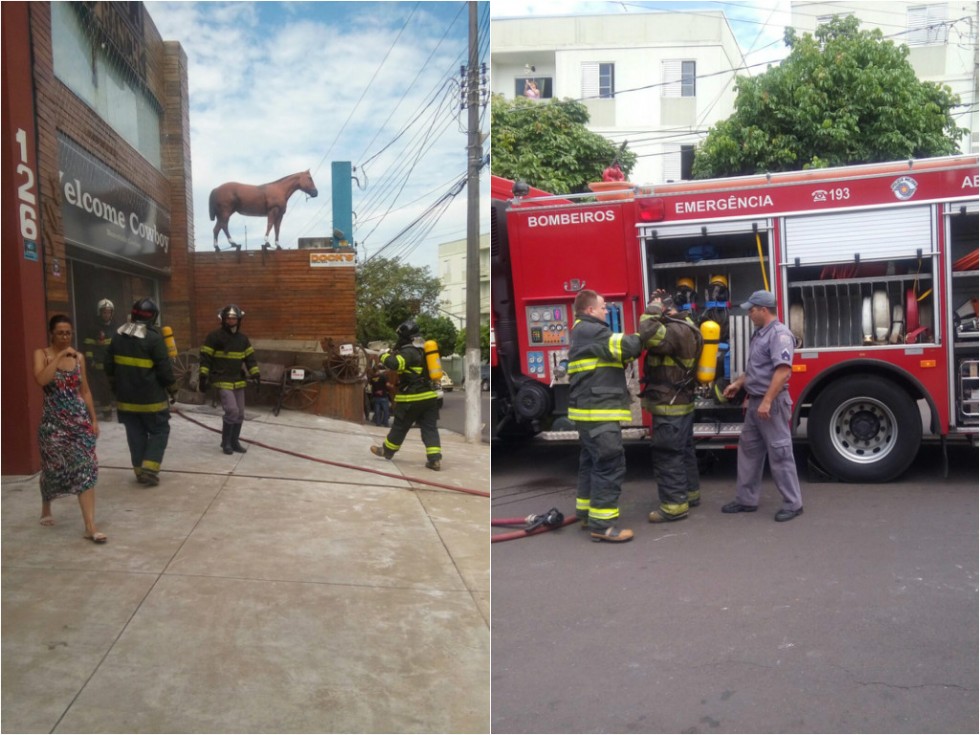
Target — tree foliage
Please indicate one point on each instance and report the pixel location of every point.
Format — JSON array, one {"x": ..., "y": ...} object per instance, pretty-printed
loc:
[
  {"x": 441, "y": 329},
  {"x": 548, "y": 145},
  {"x": 842, "y": 96},
  {"x": 388, "y": 293},
  {"x": 484, "y": 342}
]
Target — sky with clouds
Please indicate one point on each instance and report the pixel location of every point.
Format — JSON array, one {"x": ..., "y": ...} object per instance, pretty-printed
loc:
[{"x": 277, "y": 88}]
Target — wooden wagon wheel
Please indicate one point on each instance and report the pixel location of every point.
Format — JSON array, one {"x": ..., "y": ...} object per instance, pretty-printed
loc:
[
  {"x": 347, "y": 363},
  {"x": 299, "y": 396},
  {"x": 184, "y": 369}
]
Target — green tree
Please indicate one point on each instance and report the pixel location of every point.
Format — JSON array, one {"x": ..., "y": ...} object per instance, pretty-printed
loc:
[
  {"x": 842, "y": 96},
  {"x": 388, "y": 293},
  {"x": 548, "y": 145},
  {"x": 441, "y": 329},
  {"x": 484, "y": 342}
]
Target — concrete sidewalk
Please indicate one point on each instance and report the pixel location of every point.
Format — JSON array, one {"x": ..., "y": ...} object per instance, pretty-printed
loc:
[{"x": 253, "y": 593}]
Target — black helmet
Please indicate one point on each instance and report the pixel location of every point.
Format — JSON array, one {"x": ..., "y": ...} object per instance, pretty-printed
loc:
[
  {"x": 145, "y": 311},
  {"x": 407, "y": 330},
  {"x": 231, "y": 310}
]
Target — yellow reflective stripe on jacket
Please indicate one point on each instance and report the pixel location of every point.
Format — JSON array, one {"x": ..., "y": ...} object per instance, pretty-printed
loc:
[
  {"x": 219, "y": 355},
  {"x": 230, "y": 385},
  {"x": 599, "y": 414},
  {"x": 207, "y": 350},
  {"x": 616, "y": 347},
  {"x": 142, "y": 407},
  {"x": 132, "y": 361},
  {"x": 413, "y": 397},
  {"x": 590, "y": 363},
  {"x": 669, "y": 361},
  {"x": 662, "y": 409}
]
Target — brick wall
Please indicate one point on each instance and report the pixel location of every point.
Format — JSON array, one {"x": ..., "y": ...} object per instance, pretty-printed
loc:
[{"x": 282, "y": 296}]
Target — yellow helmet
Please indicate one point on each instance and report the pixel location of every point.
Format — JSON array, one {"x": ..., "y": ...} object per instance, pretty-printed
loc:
[
  {"x": 685, "y": 282},
  {"x": 718, "y": 280}
]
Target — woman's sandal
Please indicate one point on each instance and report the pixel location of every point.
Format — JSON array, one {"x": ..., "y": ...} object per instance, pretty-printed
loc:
[
  {"x": 98, "y": 537},
  {"x": 47, "y": 520}
]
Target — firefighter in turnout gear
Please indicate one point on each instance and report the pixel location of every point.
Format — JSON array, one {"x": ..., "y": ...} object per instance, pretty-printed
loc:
[
  {"x": 96, "y": 343},
  {"x": 669, "y": 376},
  {"x": 139, "y": 371},
  {"x": 598, "y": 400},
  {"x": 416, "y": 400},
  {"x": 227, "y": 361}
]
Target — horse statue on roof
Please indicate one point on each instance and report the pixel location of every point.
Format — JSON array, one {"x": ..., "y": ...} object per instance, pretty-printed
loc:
[{"x": 255, "y": 201}]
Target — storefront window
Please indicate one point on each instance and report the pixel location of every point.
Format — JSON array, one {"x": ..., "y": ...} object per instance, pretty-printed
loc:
[{"x": 111, "y": 90}]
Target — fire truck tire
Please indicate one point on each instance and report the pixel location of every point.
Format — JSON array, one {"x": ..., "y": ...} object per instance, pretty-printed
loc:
[
  {"x": 864, "y": 429},
  {"x": 533, "y": 401}
]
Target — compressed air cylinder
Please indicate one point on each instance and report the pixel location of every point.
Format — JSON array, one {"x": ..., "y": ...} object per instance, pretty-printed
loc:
[
  {"x": 707, "y": 365},
  {"x": 432, "y": 362},
  {"x": 168, "y": 338}
]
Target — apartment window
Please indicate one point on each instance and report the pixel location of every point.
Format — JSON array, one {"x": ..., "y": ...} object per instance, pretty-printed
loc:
[
  {"x": 598, "y": 80},
  {"x": 544, "y": 85},
  {"x": 679, "y": 78},
  {"x": 678, "y": 161},
  {"x": 927, "y": 24}
]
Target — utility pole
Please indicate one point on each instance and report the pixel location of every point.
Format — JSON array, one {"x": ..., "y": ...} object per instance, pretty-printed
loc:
[{"x": 474, "y": 149}]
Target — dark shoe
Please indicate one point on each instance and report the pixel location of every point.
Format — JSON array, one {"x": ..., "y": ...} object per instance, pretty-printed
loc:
[
  {"x": 658, "y": 516},
  {"x": 694, "y": 502},
  {"x": 434, "y": 464},
  {"x": 611, "y": 534},
  {"x": 788, "y": 515},
  {"x": 737, "y": 507},
  {"x": 381, "y": 452},
  {"x": 236, "y": 430},
  {"x": 140, "y": 477},
  {"x": 150, "y": 478},
  {"x": 226, "y": 438}
]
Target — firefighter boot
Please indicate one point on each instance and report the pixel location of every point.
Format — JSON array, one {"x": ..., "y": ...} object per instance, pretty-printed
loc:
[
  {"x": 382, "y": 452},
  {"x": 434, "y": 464},
  {"x": 236, "y": 430},
  {"x": 226, "y": 437}
]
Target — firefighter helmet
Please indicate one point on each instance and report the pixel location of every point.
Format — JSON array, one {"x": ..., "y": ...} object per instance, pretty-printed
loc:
[
  {"x": 105, "y": 304},
  {"x": 145, "y": 311},
  {"x": 407, "y": 330},
  {"x": 718, "y": 280},
  {"x": 685, "y": 282},
  {"x": 231, "y": 310}
]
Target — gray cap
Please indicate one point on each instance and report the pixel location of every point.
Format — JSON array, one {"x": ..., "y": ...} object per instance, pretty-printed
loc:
[{"x": 760, "y": 298}]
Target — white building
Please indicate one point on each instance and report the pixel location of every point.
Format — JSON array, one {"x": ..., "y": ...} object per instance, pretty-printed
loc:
[
  {"x": 452, "y": 275},
  {"x": 657, "y": 80},
  {"x": 942, "y": 41}
]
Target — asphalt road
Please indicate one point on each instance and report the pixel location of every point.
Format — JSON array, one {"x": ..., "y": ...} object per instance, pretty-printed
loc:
[
  {"x": 861, "y": 615},
  {"x": 453, "y": 413}
]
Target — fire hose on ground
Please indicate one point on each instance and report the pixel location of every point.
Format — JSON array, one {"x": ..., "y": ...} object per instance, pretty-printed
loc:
[
  {"x": 531, "y": 525},
  {"x": 443, "y": 486}
]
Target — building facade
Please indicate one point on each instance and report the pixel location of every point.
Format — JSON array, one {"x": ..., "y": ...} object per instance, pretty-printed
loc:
[
  {"x": 942, "y": 41},
  {"x": 452, "y": 276},
  {"x": 658, "y": 80}
]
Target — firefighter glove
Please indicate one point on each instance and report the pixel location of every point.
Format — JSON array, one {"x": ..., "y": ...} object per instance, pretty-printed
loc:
[
  {"x": 202, "y": 383},
  {"x": 172, "y": 389},
  {"x": 257, "y": 379}
]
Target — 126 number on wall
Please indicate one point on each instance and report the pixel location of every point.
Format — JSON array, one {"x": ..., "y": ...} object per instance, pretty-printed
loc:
[{"x": 25, "y": 192}]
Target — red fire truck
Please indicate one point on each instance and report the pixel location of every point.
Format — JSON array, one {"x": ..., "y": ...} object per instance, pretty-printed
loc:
[{"x": 874, "y": 268}]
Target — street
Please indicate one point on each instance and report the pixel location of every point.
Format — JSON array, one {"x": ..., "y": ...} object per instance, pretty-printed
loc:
[
  {"x": 858, "y": 616},
  {"x": 453, "y": 413}
]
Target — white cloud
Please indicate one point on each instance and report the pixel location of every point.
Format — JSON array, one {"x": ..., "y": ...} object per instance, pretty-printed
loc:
[{"x": 277, "y": 88}]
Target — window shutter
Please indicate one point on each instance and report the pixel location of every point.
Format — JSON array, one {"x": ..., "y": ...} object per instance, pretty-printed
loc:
[
  {"x": 590, "y": 79},
  {"x": 672, "y": 78},
  {"x": 672, "y": 163},
  {"x": 881, "y": 234}
]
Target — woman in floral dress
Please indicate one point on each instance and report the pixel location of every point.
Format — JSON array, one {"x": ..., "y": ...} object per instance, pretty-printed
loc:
[{"x": 68, "y": 428}]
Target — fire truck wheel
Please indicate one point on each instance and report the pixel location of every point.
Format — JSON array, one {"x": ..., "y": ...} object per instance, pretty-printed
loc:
[
  {"x": 864, "y": 429},
  {"x": 533, "y": 401}
]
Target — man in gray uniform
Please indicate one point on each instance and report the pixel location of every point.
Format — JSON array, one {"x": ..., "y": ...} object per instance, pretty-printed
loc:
[{"x": 767, "y": 416}]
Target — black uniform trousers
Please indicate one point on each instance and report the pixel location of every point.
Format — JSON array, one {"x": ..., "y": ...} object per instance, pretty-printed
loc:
[
  {"x": 601, "y": 471},
  {"x": 406, "y": 414},
  {"x": 147, "y": 435},
  {"x": 675, "y": 464}
]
